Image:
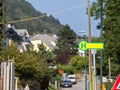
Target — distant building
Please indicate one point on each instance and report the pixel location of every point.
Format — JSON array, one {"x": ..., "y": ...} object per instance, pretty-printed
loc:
[
  {"x": 25, "y": 37},
  {"x": 49, "y": 41},
  {"x": 21, "y": 36},
  {"x": 81, "y": 53},
  {"x": 24, "y": 34}
]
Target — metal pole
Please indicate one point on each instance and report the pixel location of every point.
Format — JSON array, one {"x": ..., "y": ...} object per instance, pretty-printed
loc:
[
  {"x": 85, "y": 72},
  {"x": 101, "y": 18},
  {"x": 94, "y": 65}
]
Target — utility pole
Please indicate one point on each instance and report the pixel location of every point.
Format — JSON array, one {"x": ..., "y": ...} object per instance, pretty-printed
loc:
[
  {"x": 101, "y": 52},
  {"x": 89, "y": 40},
  {"x": 109, "y": 69}
]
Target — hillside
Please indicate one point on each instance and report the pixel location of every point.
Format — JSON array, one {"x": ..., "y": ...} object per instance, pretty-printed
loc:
[{"x": 21, "y": 9}]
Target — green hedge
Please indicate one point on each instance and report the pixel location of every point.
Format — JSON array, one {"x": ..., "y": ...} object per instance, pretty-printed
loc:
[{"x": 108, "y": 85}]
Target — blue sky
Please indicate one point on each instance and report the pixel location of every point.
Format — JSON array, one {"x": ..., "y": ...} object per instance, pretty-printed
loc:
[{"x": 71, "y": 12}]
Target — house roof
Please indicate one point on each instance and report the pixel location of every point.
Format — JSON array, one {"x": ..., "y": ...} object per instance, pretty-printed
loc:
[
  {"x": 47, "y": 39},
  {"x": 23, "y": 32}
]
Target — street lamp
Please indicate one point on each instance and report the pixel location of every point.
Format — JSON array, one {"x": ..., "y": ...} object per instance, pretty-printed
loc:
[{"x": 85, "y": 71}]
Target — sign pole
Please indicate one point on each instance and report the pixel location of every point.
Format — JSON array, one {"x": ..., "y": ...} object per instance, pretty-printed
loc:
[
  {"x": 92, "y": 46},
  {"x": 94, "y": 67}
]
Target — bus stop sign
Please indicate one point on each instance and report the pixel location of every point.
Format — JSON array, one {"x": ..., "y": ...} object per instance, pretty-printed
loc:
[{"x": 90, "y": 46}]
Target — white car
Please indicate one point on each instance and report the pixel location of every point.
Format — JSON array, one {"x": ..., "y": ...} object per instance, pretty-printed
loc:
[
  {"x": 72, "y": 78},
  {"x": 104, "y": 79}
]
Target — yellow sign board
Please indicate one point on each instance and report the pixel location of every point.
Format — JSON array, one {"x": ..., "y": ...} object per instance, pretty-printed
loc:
[{"x": 90, "y": 46}]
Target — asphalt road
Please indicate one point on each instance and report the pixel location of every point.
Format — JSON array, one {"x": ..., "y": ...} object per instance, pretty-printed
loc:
[{"x": 79, "y": 86}]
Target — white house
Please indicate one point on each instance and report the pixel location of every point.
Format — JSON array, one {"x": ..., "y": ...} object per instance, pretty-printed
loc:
[
  {"x": 21, "y": 36},
  {"x": 47, "y": 40},
  {"x": 25, "y": 37}
]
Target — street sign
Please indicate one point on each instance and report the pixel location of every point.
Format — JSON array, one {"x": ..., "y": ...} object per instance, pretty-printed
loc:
[
  {"x": 90, "y": 46},
  {"x": 85, "y": 71},
  {"x": 116, "y": 85}
]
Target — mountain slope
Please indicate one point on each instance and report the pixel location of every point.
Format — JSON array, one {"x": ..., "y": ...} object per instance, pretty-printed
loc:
[{"x": 21, "y": 9}]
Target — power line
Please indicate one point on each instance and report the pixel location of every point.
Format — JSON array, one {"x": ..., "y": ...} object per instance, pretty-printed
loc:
[
  {"x": 68, "y": 9},
  {"x": 54, "y": 13}
]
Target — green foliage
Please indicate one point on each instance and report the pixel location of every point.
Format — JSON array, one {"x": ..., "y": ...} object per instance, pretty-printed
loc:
[
  {"x": 1, "y": 42},
  {"x": 111, "y": 36},
  {"x": 29, "y": 67},
  {"x": 95, "y": 39},
  {"x": 1, "y": 32},
  {"x": 78, "y": 62},
  {"x": 45, "y": 55},
  {"x": 51, "y": 87},
  {"x": 96, "y": 9},
  {"x": 108, "y": 85},
  {"x": 66, "y": 44},
  {"x": 22, "y": 9},
  {"x": 67, "y": 68}
]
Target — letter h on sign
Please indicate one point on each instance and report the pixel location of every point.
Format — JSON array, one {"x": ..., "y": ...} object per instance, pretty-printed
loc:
[{"x": 83, "y": 45}]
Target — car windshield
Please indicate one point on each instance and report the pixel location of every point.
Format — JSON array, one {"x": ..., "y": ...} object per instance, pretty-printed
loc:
[
  {"x": 66, "y": 81},
  {"x": 71, "y": 78}
]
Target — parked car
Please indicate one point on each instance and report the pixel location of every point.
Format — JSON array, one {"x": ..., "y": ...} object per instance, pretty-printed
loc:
[
  {"x": 104, "y": 79},
  {"x": 72, "y": 78},
  {"x": 66, "y": 83}
]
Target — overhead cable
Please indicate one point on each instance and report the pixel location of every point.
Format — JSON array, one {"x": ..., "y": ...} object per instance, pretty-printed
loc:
[{"x": 38, "y": 17}]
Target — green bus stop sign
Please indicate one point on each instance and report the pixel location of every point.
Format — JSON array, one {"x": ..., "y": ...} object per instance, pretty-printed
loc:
[{"x": 91, "y": 46}]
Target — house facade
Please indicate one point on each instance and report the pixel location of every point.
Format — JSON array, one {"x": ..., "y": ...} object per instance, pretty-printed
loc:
[
  {"x": 47, "y": 40},
  {"x": 23, "y": 33},
  {"x": 21, "y": 36}
]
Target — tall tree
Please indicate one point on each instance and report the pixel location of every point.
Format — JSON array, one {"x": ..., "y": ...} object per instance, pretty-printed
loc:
[
  {"x": 66, "y": 44},
  {"x": 111, "y": 36},
  {"x": 1, "y": 29},
  {"x": 29, "y": 67}
]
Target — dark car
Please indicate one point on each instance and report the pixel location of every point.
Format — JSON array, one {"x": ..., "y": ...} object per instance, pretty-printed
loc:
[{"x": 66, "y": 83}]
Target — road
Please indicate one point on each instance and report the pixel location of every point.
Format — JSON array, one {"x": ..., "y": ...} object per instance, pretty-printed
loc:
[{"x": 79, "y": 86}]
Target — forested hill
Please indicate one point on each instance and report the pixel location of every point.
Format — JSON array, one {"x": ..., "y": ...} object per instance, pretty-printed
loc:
[{"x": 22, "y": 9}]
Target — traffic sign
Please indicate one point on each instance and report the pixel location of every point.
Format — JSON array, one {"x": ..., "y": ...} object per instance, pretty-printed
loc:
[
  {"x": 85, "y": 71},
  {"x": 90, "y": 46},
  {"x": 116, "y": 85}
]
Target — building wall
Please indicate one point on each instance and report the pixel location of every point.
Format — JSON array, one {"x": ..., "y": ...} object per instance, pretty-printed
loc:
[
  {"x": 81, "y": 53},
  {"x": 0, "y": 83},
  {"x": 36, "y": 43}
]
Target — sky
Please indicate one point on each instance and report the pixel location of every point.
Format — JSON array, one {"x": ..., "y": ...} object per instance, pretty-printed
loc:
[{"x": 71, "y": 12}]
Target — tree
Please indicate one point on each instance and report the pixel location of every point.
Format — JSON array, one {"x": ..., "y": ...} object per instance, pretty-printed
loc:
[
  {"x": 44, "y": 54},
  {"x": 78, "y": 62},
  {"x": 1, "y": 30},
  {"x": 66, "y": 44},
  {"x": 111, "y": 36},
  {"x": 29, "y": 67}
]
